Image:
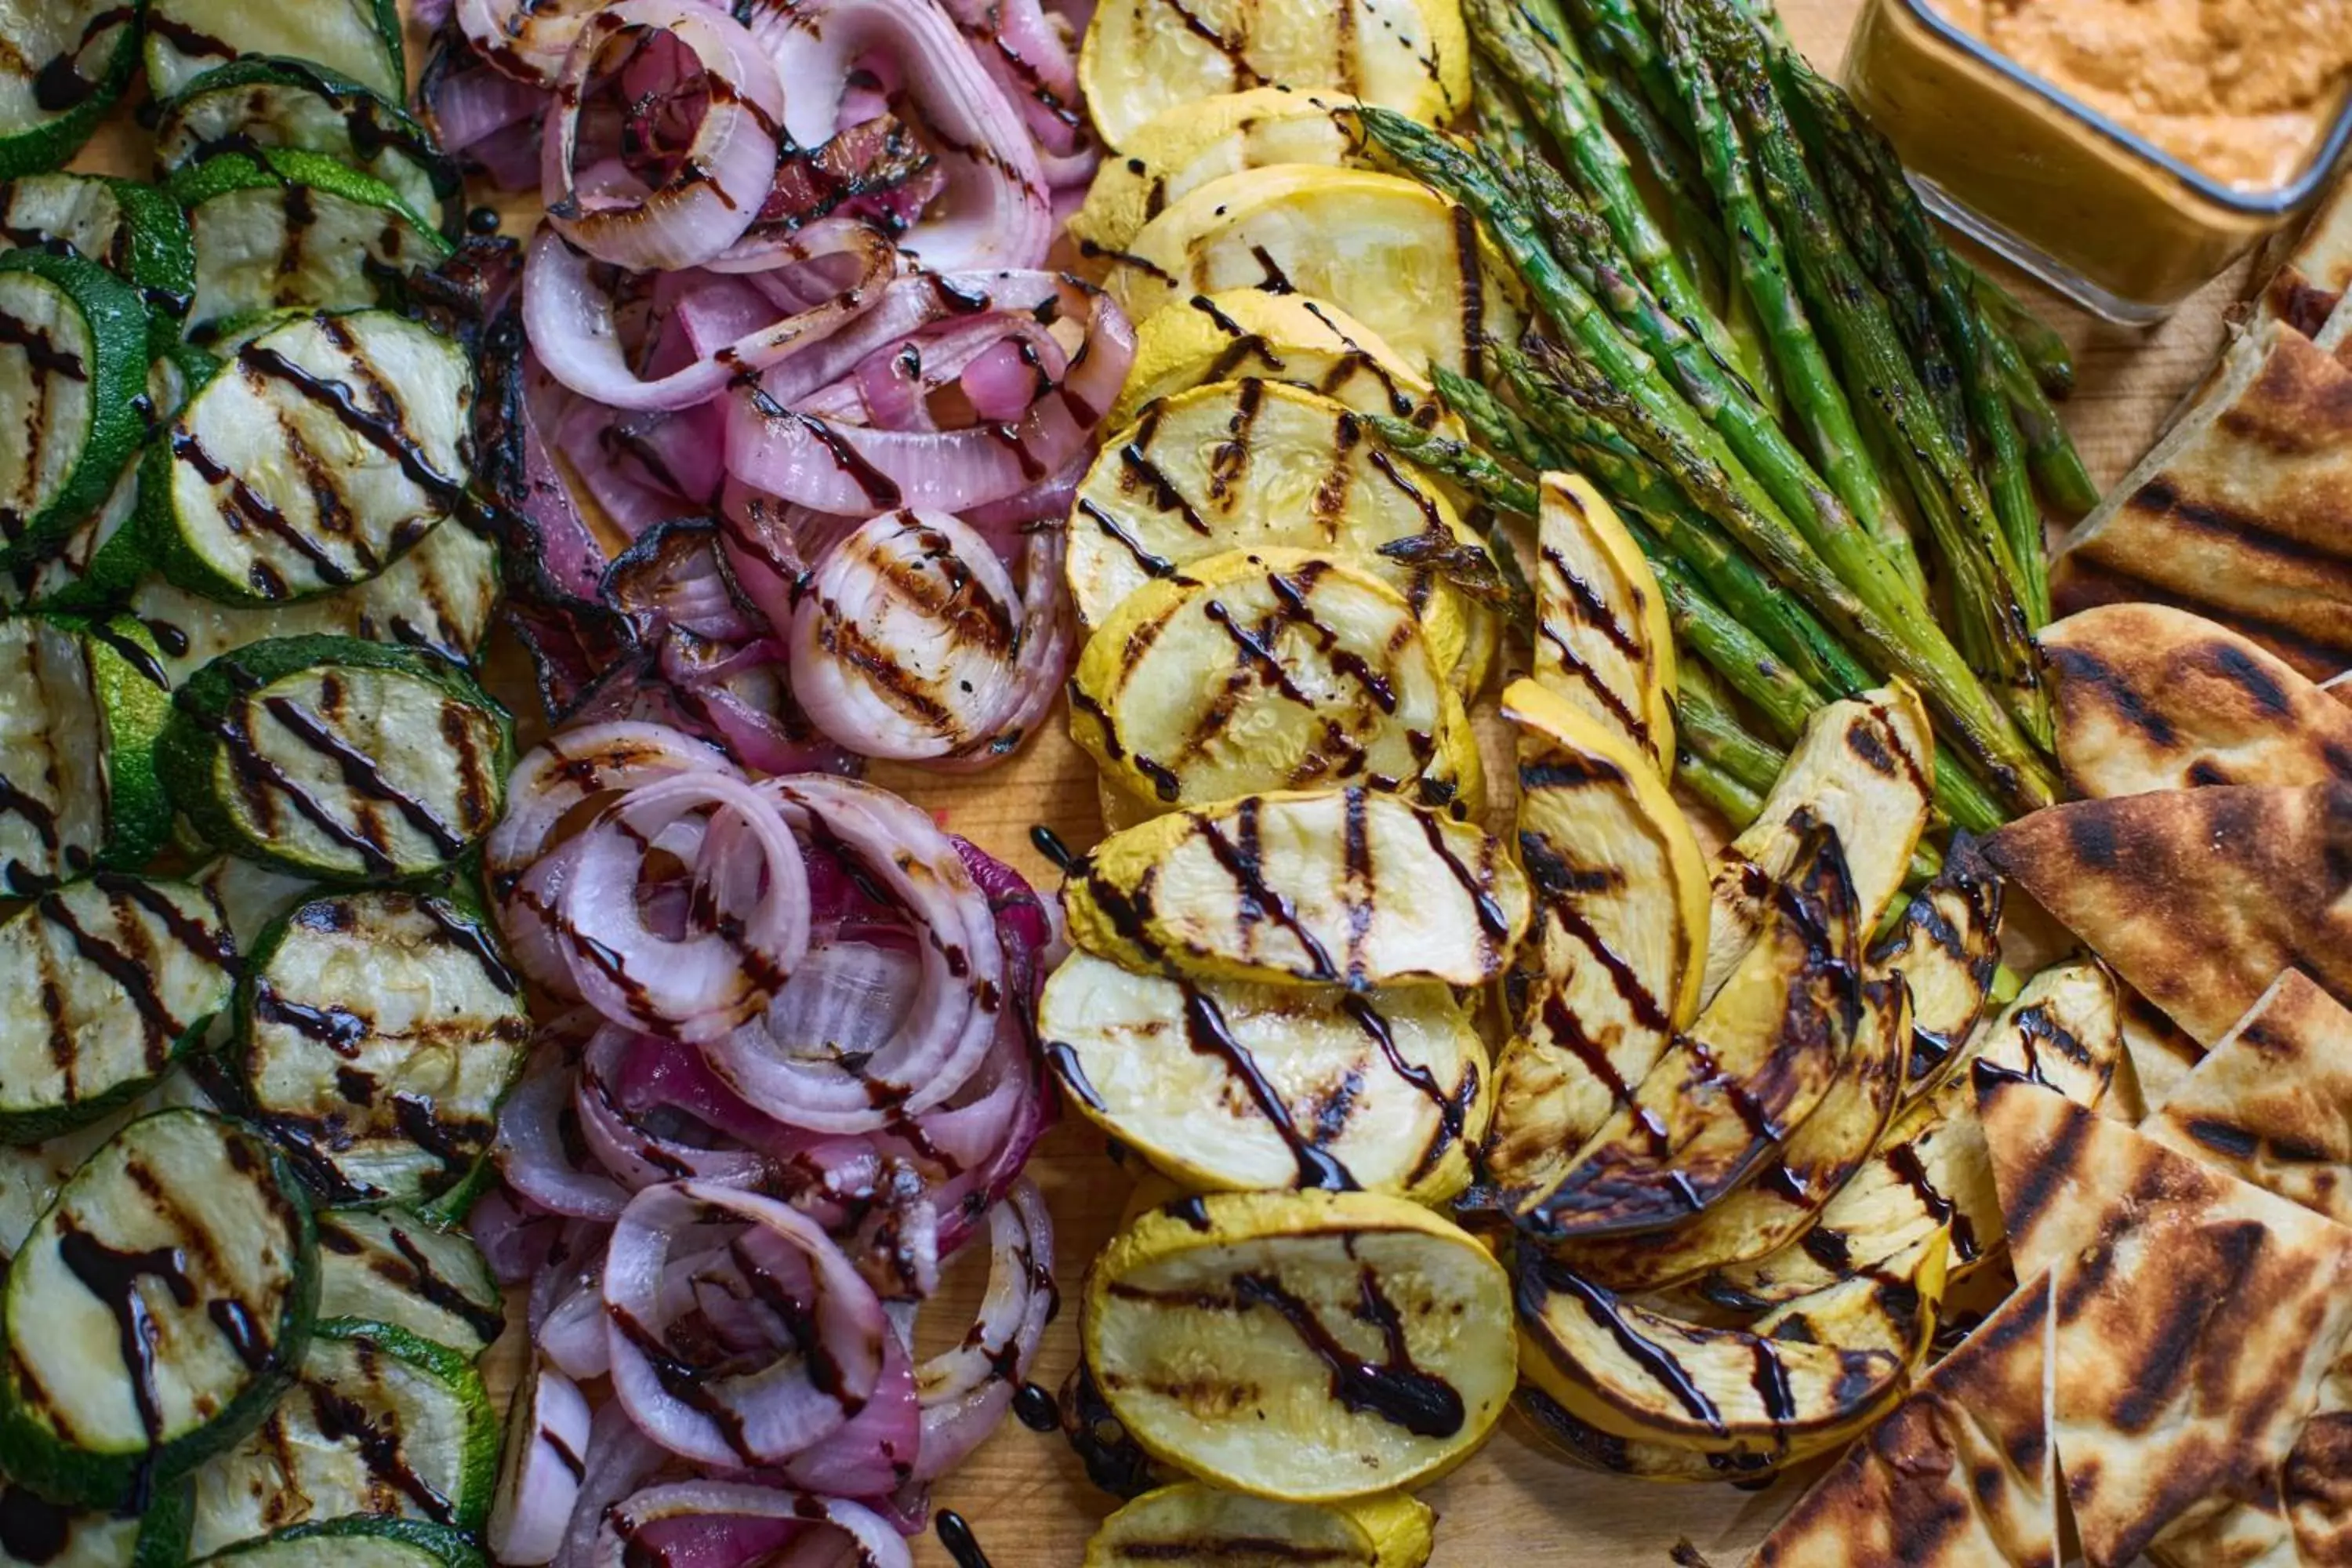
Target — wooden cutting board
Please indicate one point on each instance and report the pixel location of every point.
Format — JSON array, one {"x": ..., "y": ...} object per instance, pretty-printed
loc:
[{"x": 1025, "y": 1496}]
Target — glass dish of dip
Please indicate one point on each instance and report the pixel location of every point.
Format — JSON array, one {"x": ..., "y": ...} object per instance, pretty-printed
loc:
[{"x": 2094, "y": 208}]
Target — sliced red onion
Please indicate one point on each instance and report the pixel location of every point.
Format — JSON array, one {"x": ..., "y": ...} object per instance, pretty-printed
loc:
[
  {"x": 573, "y": 324},
  {"x": 537, "y": 1158},
  {"x": 466, "y": 101},
  {"x": 625, "y": 1083},
  {"x": 540, "y": 1470},
  {"x": 965, "y": 1391},
  {"x": 698, "y": 202},
  {"x": 573, "y": 1336},
  {"x": 619, "y": 1460},
  {"x": 742, "y": 1411},
  {"x": 525, "y": 40},
  {"x": 1047, "y": 640},
  {"x": 1031, "y": 63},
  {"x": 672, "y": 575},
  {"x": 906, "y": 642},
  {"x": 516, "y": 1238},
  {"x": 995, "y": 211},
  {"x": 857, "y": 470},
  {"x": 951, "y": 1015},
  {"x": 745, "y": 920},
  {"x": 726, "y": 1524},
  {"x": 875, "y": 1453}
]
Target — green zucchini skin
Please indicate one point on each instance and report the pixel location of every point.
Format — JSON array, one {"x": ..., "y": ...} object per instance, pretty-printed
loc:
[
  {"x": 50, "y": 142},
  {"x": 32, "y": 1449},
  {"x": 353, "y": 124},
  {"x": 108, "y": 1031},
  {"x": 415, "y": 1544},
  {"x": 82, "y": 709},
  {"x": 204, "y": 757},
  {"x": 117, "y": 322},
  {"x": 133, "y": 230}
]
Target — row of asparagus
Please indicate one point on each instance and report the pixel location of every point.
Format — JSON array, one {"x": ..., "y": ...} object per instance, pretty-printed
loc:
[{"x": 1820, "y": 422}]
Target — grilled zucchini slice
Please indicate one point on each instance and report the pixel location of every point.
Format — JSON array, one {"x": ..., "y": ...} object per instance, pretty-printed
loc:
[
  {"x": 1601, "y": 640},
  {"x": 1228, "y": 1086},
  {"x": 379, "y": 1030},
  {"x": 281, "y": 230},
  {"x": 326, "y": 449},
  {"x": 67, "y": 63},
  {"x": 82, "y": 708},
  {"x": 1245, "y": 465},
  {"x": 32, "y": 1175},
  {"x": 356, "y": 38},
  {"x": 1390, "y": 252},
  {"x": 358, "y": 1543},
  {"x": 112, "y": 980},
  {"x": 37, "y": 1533},
  {"x": 1308, "y": 1346},
  {"x": 438, "y": 598},
  {"x": 156, "y": 1311},
  {"x": 387, "y": 1266},
  {"x": 1184, "y": 147},
  {"x": 73, "y": 373},
  {"x": 293, "y": 103},
  {"x": 1327, "y": 677},
  {"x": 341, "y": 760},
  {"x": 379, "y": 1423},
  {"x": 1193, "y": 1526},
  {"x": 1240, "y": 334},
  {"x": 134, "y": 231},
  {"x": 1612, "y": 963},
  {"x": 1333, "y": 886},
  {"x": 1143, "y": 58},
  {"x": 1932, "y": 1170}
]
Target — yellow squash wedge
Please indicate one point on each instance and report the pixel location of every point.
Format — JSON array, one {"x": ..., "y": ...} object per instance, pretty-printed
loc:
[
  {"x": 1241, "y": 333},
  {"x": 1601, "y": 640},
  {"x": 1182, "y": 149}
]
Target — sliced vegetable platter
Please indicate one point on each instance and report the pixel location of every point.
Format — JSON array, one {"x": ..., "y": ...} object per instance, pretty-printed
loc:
[{"x": 1025, "y": 1496}]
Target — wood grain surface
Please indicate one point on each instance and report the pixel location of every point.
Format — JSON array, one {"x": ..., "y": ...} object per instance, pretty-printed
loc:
[{"x": 1024, "y": 1495}]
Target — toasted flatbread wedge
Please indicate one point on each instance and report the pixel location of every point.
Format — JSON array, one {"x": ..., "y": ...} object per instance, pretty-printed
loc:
[
  {"x": 1611, "y": 968},
  {"x": 1639, "y": 1375},
  {"x": 2196, "y": 1314},
  {"x": 2199, "y": 897},
  {"x": 2152, "y": 697},
  {"x": 2273, "y": 1102},
  {"x": 2313, "y": 269},
  {"x": 2244, "y": 513},
  {"x": 1946, "y": 947},
  {"x": 1865, "y": 767},
  {"x": 1601, "y": 639},
  {"x": 1931, "y": 1170},
  {"x": 2300, "y": 1519},
  {"x": 1804, "y": 1174},
  {"x": 1962, "y": 1475},
  {"x": 1752, "y": 1068},
  {"x": 2159, "y": 1054}
]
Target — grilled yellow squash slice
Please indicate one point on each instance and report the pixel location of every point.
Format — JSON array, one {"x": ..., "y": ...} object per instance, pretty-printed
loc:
[
  {"x": 1931, "y": 1170},
  {"x": 1601, "y": 639},
  {"x": 1271, "y": 669},
  {"x": 1946, "y": 947},
  {"x": 1189, "y": 1525},
  {"x": 1238, "y": 465},
  {"x": 1310, "y": 1346},
  {"x": 1883, "y": 1321},
  {"x": 1725, "y": 1093},
  {"x": 1230, "y": 1086},
  {"x": 1180, "y": 149},
  {"x": 1613, "y": 958},
  {"x": 1144, "y": 57},
  {"x": 1240, "y": 334},
  {"x": 1775, "y": 1389},
  {"x": 1331, "y": 887},
  {"x": 1390, "y": 252},
  {"x": 1864, "y": 767}
]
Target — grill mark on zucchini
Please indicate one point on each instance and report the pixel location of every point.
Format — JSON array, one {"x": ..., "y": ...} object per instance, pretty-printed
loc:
[
  {"x": 360, "y": 772},
  {"x": 428, "y": 1283},
  {"x": 257, "y": 508},
  {"x": 340, "y": 1419},
  {"x": 128, "y": 971},
  {"x": 380, "y": 431},
  {"x": 112, "y": 1277},
  {"x": 261, "y": 781},
  {"x": 58, "y": 86},
  {"x": 40, "y": 350}
]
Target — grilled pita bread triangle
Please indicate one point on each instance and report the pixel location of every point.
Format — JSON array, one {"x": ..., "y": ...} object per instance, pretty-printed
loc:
[
  {"x": 2196, "y": 1314},
  {"x": 2151, "y": 698},
  {"x": 1960, "y": 1476},
  {"x": 2315, "y": 270},
  {"x": 2271, "y": 1104},
  {"x": 2243, "y": 512},
  {"x": 2198, "y": 898}
]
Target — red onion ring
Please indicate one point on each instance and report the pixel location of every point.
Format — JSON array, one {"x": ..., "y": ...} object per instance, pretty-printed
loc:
[
  {"x": 722, "y": 1524},
  {"x": 724, "y": 1416},
  {"x": 620, "y": 1459},
  {"x": 540, "y": 1472},
  {"x": 857, "y": 470},
  {"x": 745, "y": 924},
  {"x": 965, "y": 1391},
  {"x": 525, "y": 40},
  {"x": 995, "y": 211},
  {"x": 533, "y": 1154},
  {"x": 705, "y": 204}
]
